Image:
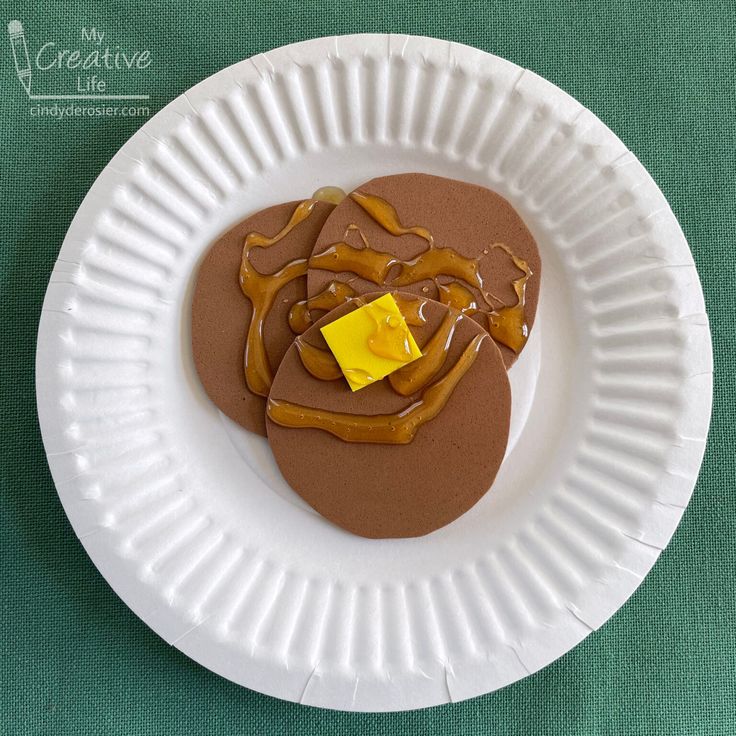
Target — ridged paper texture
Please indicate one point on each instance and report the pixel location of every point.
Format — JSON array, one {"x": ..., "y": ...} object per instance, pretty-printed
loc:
[{"x": 200, "y": 538}]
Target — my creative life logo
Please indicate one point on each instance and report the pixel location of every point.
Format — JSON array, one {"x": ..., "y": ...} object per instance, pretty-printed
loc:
[{"x": 85, "y": 71}]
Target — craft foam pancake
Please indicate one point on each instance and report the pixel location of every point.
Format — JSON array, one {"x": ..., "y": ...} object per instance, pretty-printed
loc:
[
  {"x": 378, "y": 489},
  {"x": 473, "y": 221},
  {"x": 221, "y": 312}
]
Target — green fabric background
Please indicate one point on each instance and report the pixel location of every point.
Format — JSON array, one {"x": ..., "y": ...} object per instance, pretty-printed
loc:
[{"x": 75, "y": 660}]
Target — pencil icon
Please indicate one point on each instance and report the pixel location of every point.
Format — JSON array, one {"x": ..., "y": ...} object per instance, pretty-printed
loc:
[{"x": 20, "y": 54}]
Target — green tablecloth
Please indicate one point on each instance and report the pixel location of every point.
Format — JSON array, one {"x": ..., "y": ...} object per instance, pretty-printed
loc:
[{"x": 75, "y": 660}]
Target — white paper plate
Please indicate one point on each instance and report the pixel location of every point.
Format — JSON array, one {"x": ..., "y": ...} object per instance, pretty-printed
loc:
[{"x": 186, "y": 515}]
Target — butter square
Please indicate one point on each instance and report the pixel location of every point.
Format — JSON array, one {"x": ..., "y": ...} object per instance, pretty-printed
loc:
[{"x": 354, "y": 338}]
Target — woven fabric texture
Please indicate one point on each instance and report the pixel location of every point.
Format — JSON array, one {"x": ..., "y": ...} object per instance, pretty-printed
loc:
[{"x": 74, "y": 659}]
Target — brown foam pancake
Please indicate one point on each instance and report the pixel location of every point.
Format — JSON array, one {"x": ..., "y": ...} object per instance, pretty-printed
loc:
[
  {"x": 448, "y": 240},
  {"x": 393, "y": 460},
  {"x": 281, "y": 239}
]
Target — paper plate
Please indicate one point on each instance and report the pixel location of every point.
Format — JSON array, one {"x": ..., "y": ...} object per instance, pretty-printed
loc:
[{"x": 187, "y": 516}]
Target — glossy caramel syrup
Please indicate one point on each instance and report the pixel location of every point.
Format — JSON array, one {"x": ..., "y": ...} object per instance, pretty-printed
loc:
[
  {"x": 507, "y": 323},
  {"x": 318, "y": 362},
  {"x": 456, "y": 296},
  {"x": 261, "y": 289},
  {"x": 333, "y": 195},
  {"x": 390, "y": 338},
  {"x": 393, "y": 429},
  {"x": 385, "y": 215},
  {"x": 412, "y": 308},
  {"x": 333, "y": 295},
  {"x": 321, "y": 363},
  {"x": 416, "y": 375}
]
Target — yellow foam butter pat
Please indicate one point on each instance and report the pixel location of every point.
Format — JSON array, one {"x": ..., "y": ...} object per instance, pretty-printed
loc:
[{"x": 371, "y": 342}]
